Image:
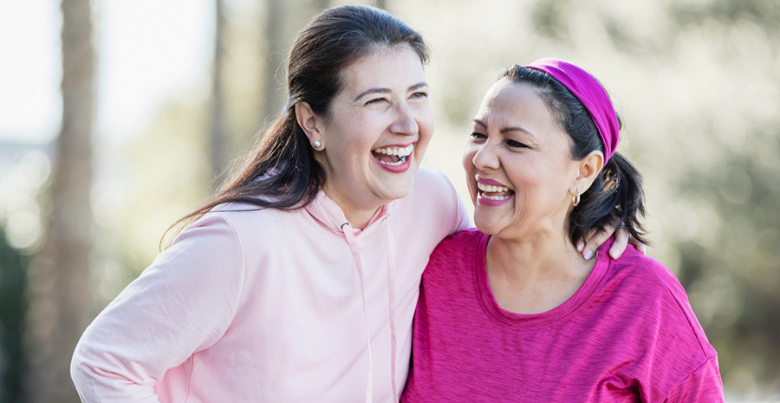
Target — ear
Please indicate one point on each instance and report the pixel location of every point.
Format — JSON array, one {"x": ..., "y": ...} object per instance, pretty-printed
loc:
[
  {"x": 587, "y": 171},
  {"x": 308, "y": 121}
]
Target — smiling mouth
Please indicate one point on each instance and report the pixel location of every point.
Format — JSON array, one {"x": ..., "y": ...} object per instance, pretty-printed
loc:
[
  {"x": 393, "y": 156},
  {"x": 494, "y": 192}
]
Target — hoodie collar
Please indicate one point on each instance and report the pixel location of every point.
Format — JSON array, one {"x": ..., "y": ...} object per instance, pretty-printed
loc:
[{"x": 329, "y": 214}]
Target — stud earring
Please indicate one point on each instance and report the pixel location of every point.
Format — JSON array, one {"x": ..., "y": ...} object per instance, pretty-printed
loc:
[
  {"x": 317, "y": 144},
  {"x": 575, "y": 200}
]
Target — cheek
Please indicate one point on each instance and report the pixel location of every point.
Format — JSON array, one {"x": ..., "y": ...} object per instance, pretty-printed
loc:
[
  {"x": 468, "y": 167},
  {"x": 426, "y": 124},
  {"x": 352, "y": 131},
  {"x": 550, "y": 184},
  {"x": 468, "y": 160},
  {"x": 357, "y": 144}
]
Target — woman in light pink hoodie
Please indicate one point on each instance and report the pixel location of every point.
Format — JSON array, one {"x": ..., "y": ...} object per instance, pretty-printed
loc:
[{"x": 298, "y": 281}]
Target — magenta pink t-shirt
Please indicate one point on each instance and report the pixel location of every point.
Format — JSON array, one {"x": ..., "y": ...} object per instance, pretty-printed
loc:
[{"x": 627, "y": 335}]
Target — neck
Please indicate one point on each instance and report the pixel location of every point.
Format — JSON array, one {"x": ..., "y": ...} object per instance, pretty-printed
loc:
[
  {"x": 542, "y": 256},
  {"x": 358, "y": 217},
  {"x": 534, "y": 274}
]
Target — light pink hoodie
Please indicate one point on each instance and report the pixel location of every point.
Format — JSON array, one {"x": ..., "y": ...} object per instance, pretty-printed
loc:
[{"x": 256, "y": 305}]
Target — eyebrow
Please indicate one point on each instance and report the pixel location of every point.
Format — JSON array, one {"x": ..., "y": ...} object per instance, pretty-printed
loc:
[
  {"x": 417, "y": 86},
  {"x": 506, "y": 129},
  {"x": 387, "y": 90}
]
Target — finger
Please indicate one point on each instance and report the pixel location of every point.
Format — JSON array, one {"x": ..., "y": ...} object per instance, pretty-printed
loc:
[
  {"x": 642, "y": 248},
  {"x": 595, "y": 241},
  {"x": 621, "y": 241}
]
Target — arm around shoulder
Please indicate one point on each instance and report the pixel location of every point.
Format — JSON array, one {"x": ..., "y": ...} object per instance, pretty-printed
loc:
[{"x": 183, "y": 303}]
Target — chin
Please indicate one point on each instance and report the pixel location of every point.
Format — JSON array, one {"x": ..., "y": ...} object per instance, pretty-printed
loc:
[
  {"x": 488, "y": 223},
  {"x": 396, "y": 192},
  {"x": 483, "y": 225},
  {"x": 486, "y": 229},
  {"x": 397, "y": 187}
]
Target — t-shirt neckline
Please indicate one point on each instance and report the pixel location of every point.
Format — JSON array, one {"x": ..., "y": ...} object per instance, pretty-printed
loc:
[{"x": 552, "y": 317}]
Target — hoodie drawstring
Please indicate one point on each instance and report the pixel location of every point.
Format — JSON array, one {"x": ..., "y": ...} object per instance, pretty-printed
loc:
[
  {"x": 391, "y": 304},
  {"x": 353, "y": 247}
]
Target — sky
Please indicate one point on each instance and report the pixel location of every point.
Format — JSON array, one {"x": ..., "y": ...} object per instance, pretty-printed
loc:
[{"x": 144, "y": 57}]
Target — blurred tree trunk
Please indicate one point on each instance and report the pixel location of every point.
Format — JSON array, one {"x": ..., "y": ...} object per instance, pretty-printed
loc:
[
  {"x": 381, "y": 4},
  {"x": 218, "y": 130},
  {"x": 59, "y": 276},
  {"x": 273, "y": 97}
]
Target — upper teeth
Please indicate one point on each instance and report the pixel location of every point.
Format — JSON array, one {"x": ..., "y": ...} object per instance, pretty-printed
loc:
[
  {"x": 491, "y": 189},
  {"x": 401, "y": 152}
]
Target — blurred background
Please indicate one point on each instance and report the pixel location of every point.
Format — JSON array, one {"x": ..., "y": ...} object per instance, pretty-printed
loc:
[{"x": 118, "y": 117}]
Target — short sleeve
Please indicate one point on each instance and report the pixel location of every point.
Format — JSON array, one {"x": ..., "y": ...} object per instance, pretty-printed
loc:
[{"x": 702, "y": 385}]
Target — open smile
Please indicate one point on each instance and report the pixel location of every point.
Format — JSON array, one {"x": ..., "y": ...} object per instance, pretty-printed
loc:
[
  {"x": 492, "y": 193},
  {"x": 393, "y": 158}
]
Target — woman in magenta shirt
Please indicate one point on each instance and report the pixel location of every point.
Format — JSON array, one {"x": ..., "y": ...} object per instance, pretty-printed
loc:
[{"x": 510, "y": 311}]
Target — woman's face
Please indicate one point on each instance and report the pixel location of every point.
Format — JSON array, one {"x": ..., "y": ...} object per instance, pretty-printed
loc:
[
  {"x": 378, "y": 129},
  {"x": 518, "y": 165}
]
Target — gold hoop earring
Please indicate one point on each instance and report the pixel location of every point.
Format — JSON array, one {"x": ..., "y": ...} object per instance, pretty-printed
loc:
[{"x": 575, "y": 200}]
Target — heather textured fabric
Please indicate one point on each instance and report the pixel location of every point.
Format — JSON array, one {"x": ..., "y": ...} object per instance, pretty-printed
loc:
[
  {"x": 592, "y": 95},
  {"x": 627, "y": 335},
  {"x": 268, "y": 306}
]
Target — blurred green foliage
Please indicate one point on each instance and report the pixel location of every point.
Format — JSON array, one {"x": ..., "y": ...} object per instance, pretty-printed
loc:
[{"x": 12, "y": 311}]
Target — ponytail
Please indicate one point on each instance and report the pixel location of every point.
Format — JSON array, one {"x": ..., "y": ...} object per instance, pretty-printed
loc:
[{"x": 615, "y": 199}]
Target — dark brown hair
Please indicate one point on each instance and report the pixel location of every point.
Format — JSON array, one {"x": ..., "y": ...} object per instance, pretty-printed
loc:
[
  {"x": 280, "y": 171},
  {"x": 616, "y": 197}
]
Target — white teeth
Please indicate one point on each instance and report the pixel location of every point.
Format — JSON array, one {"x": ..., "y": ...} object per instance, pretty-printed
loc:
[
  {"x": 491, "y": 189},
  {"x": 401, "y": 160},
  {"x": 400, "y": 152},
  {"x": 496, "y": 197}
]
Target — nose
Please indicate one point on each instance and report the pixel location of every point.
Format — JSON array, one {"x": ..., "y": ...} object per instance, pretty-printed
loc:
[
  {"x": 405, "y": 122},
  {"x": 485, "y": 156}
]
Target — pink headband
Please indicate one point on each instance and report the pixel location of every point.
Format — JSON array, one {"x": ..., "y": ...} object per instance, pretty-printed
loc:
[{"x": 590, "y": 93}]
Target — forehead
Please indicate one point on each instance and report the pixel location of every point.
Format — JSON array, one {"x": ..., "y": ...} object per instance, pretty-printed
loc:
[
  {"x": 384, "y": 67},
  {"x": 508, "y": 101}
]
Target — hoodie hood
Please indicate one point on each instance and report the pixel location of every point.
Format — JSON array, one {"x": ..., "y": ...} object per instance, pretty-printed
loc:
[{"x": 328, "y": 214}]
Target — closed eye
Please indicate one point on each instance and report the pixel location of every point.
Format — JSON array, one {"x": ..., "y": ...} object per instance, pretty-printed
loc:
[
  {"x": 515, "y": 144},
  {"x": 375, "y": 101}
]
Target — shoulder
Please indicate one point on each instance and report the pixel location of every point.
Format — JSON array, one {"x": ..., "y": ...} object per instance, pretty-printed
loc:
[
  {"x": 647, "y": 274},
  {"x": 434, "y": 188},
  {"x": 248, "y": 219},
  {"x": 466, "y": 239},
  {"x": 652, "y": 290},
  {"x": 426, "y": 178},
  {"x": 457, "y": 250},
  {"x": 434, "y": 201},
  {"x": 243, "y": 232},
  {"x": 640, "y": 299}
]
